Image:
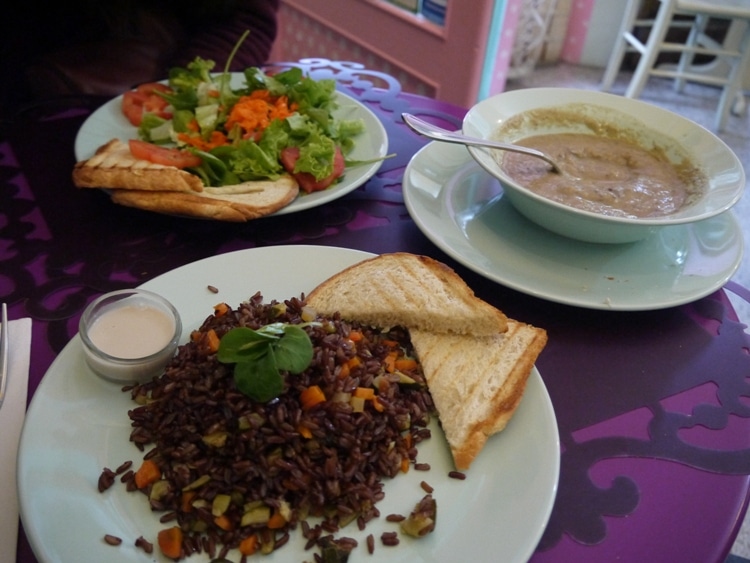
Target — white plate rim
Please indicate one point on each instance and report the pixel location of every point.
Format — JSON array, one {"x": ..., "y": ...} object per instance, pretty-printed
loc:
[
  {"x": 446, "y": 235},
  {"x": 48, "y": 471},
  {"x": 107, "y": 122}
]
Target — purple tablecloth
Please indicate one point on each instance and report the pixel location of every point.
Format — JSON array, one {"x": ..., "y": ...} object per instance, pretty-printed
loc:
[{"x": 653, "y": 407}]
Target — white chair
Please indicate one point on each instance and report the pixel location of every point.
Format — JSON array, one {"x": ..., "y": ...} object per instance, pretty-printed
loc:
[{"x": 727, "y": 69}]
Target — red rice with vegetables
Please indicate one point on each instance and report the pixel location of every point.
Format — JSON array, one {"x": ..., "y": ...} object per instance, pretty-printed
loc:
[{"x": 232, "y": 468}]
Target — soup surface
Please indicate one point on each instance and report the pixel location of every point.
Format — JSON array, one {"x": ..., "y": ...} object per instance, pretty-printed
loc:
[{"x": 604, "y": 175}]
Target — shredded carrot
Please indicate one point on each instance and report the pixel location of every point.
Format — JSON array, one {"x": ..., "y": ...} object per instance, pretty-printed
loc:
[
  {"x": 354, "y": 362},
  {"x": 311, "y": 396},
  {"x": 377, "y": 405},
  {"x": 212, "y": 341},
  {"x": 390, "y": 343},
  {"x": 253, "y": 113},
  {"x": 405, "y": 464},
  {"x": 304, "y": 431},
  {"x": 364, "y": 393},
  {"x": 406, "y": 364},
  {"x": 186, "y": 501},
  {"x": 147, "y": 474},
  {"x": 344, "y": 371},
  {"x": 221, "y": 309},
  {"x": 223, "y": 522},
  {"x": 195, "y": 335},
  {"x": 390, "y": 361},
  {"x": 216, "y": 139},
  {"x": 356, "y": 335},
  {"x": 249, "y": 545},
  {"x": 408, "y": 440},
  {"x": 170, "y": 542},
  {"x": 276, "y": 521}
]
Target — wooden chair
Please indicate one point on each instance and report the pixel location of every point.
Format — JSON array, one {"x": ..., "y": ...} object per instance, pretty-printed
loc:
[{"x": 730, "y": 57}]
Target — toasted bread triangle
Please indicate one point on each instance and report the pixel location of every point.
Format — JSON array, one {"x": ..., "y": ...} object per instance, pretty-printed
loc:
[
  {"x": 408, "y": 290},
  {"x": 166, "y": 189},
  {"x": 477, "y": 383}
]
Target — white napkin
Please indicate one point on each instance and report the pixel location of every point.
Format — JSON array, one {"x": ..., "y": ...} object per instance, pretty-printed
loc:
[{"x": 12, "y": 413}]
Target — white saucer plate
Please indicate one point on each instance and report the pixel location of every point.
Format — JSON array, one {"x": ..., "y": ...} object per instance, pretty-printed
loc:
[
  {"x": 77, "y": 424},
  {"x": 462, "y": 210}
]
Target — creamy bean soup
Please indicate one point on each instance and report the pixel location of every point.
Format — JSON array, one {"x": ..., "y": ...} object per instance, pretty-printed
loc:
[{"x": 605, "y": 169}]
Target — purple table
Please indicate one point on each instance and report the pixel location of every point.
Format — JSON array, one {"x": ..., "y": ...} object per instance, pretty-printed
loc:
[{"x": 653, "y": 407}]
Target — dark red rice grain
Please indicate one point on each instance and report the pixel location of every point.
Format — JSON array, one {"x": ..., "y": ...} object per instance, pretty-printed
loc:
[
  {"x": 213, "y": 289},
  {"x": 168, "y": 517},
  {"x": 106, "y": 479},
  {"x": 395, "y": 518},
  {"x": 389, "y": 538},
  {"x": 456, "y": 475},
  {"x": 262, "y": 456},
  {"x": 422, "y": 466},
  {"x": 370, "y": 544},
  {"x": 112, "y": 540},
  {"x": 145, "y": 545},
  {"x": 426, "y": 487},
  {"x": 124, "y": 467}
]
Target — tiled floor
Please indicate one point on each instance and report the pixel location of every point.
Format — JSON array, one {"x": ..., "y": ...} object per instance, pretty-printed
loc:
[{"x": 698, "y": 103}]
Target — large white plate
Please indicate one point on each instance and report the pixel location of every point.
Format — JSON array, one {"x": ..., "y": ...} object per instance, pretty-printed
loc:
[
  {"x": 108, "y": 122},
  {"x": 77, "y": 424},
  {"x": 461, "y": 209}
]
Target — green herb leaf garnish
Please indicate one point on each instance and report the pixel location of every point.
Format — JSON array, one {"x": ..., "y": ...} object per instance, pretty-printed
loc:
[{"x": 261, "y": 355}]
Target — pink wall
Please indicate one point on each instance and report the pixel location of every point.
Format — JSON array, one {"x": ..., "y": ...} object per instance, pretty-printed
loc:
[
  {"x": 505, "y": 47},
  {"x": 578, "y": 28}
]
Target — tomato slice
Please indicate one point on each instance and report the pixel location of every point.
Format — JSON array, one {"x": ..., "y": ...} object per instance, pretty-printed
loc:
[
  {"x": 149, "y": 88},
  {"x": 307, "y": 181},
  {"x": 145, "y": 99},
  {"x": 163, "y": 155}
]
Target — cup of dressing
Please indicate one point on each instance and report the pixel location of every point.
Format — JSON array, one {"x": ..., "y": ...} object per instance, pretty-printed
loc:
[{"x": 129, "y": 335}]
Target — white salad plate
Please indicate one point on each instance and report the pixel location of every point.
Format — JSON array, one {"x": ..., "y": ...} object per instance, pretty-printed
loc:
[
  {"x": 108, "y": 122},
  {"x": 462, "y": 210},
  {"x": 77, "y": 424}
]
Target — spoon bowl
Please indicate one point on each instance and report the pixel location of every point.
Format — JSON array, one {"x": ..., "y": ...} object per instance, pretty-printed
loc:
[{"x": 439, "y": 134}]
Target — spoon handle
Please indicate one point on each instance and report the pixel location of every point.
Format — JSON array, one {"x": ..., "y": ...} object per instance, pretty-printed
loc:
[{"x": 439, "y": 134}]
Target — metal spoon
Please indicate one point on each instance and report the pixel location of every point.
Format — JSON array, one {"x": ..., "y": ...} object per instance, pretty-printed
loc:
[{"x": 439, "y": 134}]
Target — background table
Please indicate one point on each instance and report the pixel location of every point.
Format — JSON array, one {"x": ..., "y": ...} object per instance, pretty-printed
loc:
[{"x": 653, "y": 407}]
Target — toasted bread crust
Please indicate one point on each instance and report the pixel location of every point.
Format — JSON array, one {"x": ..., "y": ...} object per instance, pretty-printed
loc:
[
  {"x": 237, "y": 208},
  {"x": 408, "y": 290},
  {"x": 114, "y": 167},
  {"x": 166, "y": 189},
  {"x": 476, "y": 399}
]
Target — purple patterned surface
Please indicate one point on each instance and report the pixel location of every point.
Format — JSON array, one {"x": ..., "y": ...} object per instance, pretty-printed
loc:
[{"x": 653, "y": 408}]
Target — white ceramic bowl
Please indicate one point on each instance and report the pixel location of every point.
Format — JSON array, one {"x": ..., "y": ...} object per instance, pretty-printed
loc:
[
  {"x": 726, "y": 177},
  {"x": 129, "y": 335}
]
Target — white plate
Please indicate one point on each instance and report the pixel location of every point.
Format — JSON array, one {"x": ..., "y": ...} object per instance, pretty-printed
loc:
[
  {"x": 108, "y": 122},
  {"x": 461, "y": 209},
  {"x": 77, "y": 424}
]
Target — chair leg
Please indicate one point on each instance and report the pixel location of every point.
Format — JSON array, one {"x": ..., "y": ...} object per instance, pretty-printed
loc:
[
  {"x": 732, "y": 93},
  {"x": 621, "y": 44},
  {"x": 655, "y": 39},
  {"x": 686, "y": 58}
]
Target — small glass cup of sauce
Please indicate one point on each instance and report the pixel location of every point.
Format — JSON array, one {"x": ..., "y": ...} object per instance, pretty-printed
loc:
[{"x": 129, "y": 335}]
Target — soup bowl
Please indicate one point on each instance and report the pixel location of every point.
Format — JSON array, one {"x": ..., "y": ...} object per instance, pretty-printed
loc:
[{"x": 505, "y": 117}]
